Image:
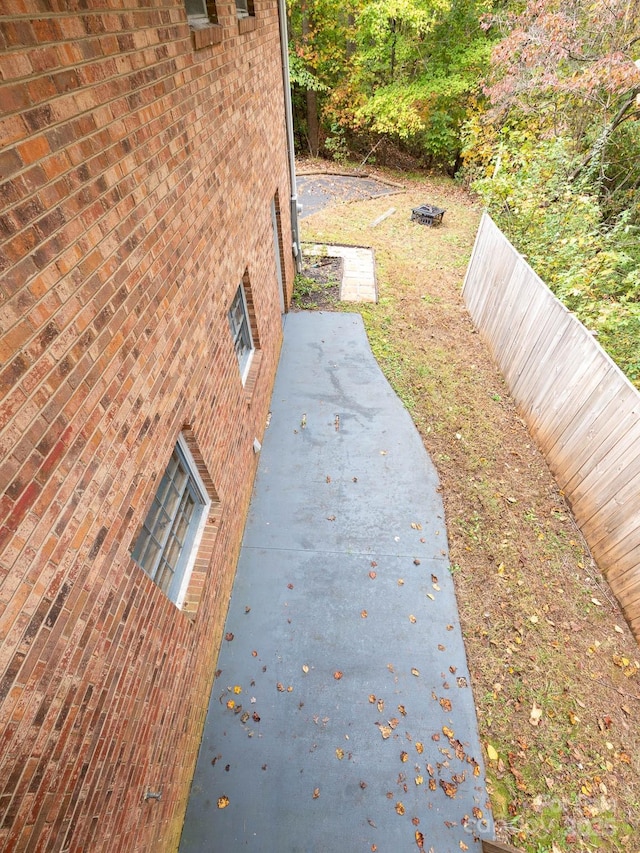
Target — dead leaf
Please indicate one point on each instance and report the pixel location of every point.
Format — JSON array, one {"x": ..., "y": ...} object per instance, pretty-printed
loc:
[
  {"x": 364, "y": 614},
  {"x": 385, "y": 731},
  {"x": 400, "y": 582},
  {"x": 371, "y": 823},
  {"x": 337, "y": 675},
  {"x": 402, "y": 710},
  {"x": 441, "y": 648},
  {"x": 404, "y": 756},
  {"x": 416, "y": 526},
  {"x": 432, "y": 784},
  {"x": 419, "y": 780},
  {"x": 339, "y": 754},
  {"x": 331, "y": 518},
  {"x": 447, "y": 732},
  {"x": 231, "y": 704},
  {"x": 431, "y": 596},
  {"x": 305, "y": 668},
  {"x": 393, "y": 722},
  {"x": 223, "y": 802},
  {"x": 254, "y": 654},
  {"x": 228, "y": 637},
  {"x": 445, "y": 704},
  {"x": 328, "y": 479},
  {"x": 477, "y": 813},
  {"x": 280, "y": 687},
  {"x": 419, "y": 747},
  {"x": 400, "y": 808},
  {"x": 372, "y": 698},
  {"x": 420, "y": 840},
  {"x": 415, "y": 821},
  {"x": 416, "y": 561},
  {"x": 415, "y": 672},
  {"x": 536, "y": 715},
  {"x": 316, "y": 793},
  {"x": 492, "y": 752},
  {"x": 255, "y": 717},
  {"x": 372, "y": 575},
  {"x": 412, "y": 619},
  {"x": 449, "y": 788},
  {"x": 380, "y": 705}
]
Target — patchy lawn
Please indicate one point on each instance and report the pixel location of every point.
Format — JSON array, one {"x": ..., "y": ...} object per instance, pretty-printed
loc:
[{"x": 555, "y": 669}]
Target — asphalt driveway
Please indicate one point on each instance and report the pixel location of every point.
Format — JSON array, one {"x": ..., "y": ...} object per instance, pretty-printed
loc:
[{"x": 342, "y": 718}]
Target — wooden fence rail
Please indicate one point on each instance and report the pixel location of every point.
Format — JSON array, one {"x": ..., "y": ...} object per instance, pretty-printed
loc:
[{"x": 581, "y": 409}]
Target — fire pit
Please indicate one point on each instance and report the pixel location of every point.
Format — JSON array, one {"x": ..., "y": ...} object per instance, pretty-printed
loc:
[{"x": 428, "y": 214}]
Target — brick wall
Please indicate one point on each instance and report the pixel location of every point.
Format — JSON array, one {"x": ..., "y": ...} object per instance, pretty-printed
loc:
[{"x": 137, "y": 171}]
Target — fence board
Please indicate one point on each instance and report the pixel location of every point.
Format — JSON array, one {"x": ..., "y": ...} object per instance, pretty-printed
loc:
[{"x": 581, "y": 409}]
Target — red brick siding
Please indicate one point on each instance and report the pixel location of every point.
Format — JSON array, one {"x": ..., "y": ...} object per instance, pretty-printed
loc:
[{"x": 136, "y": 176}]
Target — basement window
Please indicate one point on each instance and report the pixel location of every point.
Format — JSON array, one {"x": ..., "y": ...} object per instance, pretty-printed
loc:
[
  {"x": 201, "y": 13},
  {"x": 240, "y": 326},
  {"x": 167, "y": 545},
  {"x": 245, "y": 9}
]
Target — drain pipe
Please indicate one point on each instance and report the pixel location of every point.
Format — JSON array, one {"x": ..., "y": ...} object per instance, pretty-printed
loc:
[{"x": 288, "y": 116}]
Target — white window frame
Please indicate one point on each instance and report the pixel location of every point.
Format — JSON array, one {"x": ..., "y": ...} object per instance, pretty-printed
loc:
[
  {"x": 186, "y": 561},
  {"x": 244, "y": 358}
]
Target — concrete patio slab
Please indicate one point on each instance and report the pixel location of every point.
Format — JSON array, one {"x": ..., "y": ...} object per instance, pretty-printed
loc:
[
  {"x": 316, "y": 191},
  {"x": 342, "y": 718}
]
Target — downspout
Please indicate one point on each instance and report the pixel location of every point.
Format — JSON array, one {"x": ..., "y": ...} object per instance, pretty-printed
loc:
[{"x": 288, "y": 117}]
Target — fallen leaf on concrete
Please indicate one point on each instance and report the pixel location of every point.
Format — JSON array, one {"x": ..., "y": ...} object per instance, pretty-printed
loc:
[
  {"x": 372, "y": 575},
  {"x": 445, "y": 704},
  {"x": 228, "y": 637},
  {"x": 223, "y": 802},
  {"x": 449, "y": 788},
  {"x": 337, "y": 675},
  {"x": 420, "y": 840},
  {"x": 380, "y": 705},
  {"x": 339, "y": 754},
  {"x": 415, "y": 672},
  {"x": 400, "y": 808},
  {"x": 412, "y": 619},
  {"x": 364, "y": 614},
  {"x": 419, "y": 747},
  {"x": 316, "y": 793},
  {"x": 404, "y": 756}
]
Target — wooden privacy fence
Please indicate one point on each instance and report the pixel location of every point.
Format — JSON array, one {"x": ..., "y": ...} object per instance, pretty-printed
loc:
[{"x": 581, "y": 409}]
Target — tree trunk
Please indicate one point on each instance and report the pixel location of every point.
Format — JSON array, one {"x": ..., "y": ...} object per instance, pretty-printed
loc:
[{"x": 313, "y": 125}]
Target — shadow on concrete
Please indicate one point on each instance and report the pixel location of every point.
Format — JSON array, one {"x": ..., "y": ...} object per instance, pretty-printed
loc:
[{"x": 342, "y": 718}]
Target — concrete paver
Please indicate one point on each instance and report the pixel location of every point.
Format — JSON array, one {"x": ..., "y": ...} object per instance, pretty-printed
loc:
[
  {"x": 357, "y": 726},
  {"x": 358, "y": 271}
]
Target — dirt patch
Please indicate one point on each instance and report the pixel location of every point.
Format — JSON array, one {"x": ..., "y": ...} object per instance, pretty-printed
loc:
[
  {"x": 318, "y": 285},
  {"x": 555, "y": 669}
]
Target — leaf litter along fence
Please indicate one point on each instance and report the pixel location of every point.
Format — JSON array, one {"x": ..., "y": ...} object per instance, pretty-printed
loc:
[{"x": 579, "y": 406}]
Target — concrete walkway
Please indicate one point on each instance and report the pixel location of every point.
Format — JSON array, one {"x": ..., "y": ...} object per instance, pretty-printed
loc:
[{"x": 342, "y": 718}]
